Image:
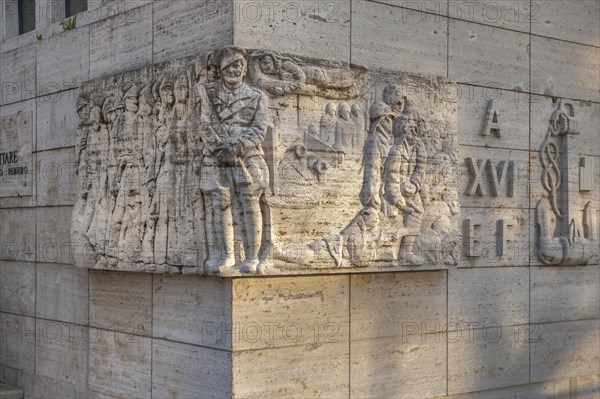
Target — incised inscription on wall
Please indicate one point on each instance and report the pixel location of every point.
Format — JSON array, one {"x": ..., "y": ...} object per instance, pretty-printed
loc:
[{"x": 16, "y": 161}]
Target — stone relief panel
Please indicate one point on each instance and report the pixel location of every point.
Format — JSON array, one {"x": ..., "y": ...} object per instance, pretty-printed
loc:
[
  {"x": 255, "y": 162},
  {"x": 566, "y": 210}
]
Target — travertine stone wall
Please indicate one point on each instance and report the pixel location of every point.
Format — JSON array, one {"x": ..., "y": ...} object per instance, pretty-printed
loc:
[{"x": 499, "y": 326}]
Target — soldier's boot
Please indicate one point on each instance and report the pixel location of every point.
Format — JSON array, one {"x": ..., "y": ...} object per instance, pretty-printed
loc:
[
  {"x": 219, "y": 237},
  {"x": 252, "y": 242}
]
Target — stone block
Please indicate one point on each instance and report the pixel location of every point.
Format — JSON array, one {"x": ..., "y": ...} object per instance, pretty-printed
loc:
[
  {"x": 56, "y": 177},
  {"x": 17, "y": 344},
  {"x": 121, "y": 43},
  {"x": 565, "y": 349},
  {"x": 562, "y": 69},
  {"x": 46, "y": 387},
  {"x": 480, "y": 105},
  {"x": 57, "y": 120},
  {"x": 488, "y": 56},
  {"x": 54, "y": 234},
  {"x": 17, "y": 74},
  {"x": 119, "y": 364},
  {"x": 17, "y": 234},
  {"x": 61, "y": 355},
  {"x": 400, "y": 39},
  {"x": 203, "y": 310},
  {"x": 493, "y": 178},
  {"x": 18, "y": 378},
  {"x": 495, "y": 237},
  {"x": 492, "y": 357},
  {"x": 287, "y": 311},
  {"x": 186, "y": 371},
  {"x": 17, "y": 288},
  {"x": 514, "y": 15},
  {"x": 319, "y": 370},
  {"x": 62, "y": 61},
  {"x": 564, "y": 293},
  {"x": 398, "y": 368},
  {"x": 542, "y": 390},
  {"x": 121, "y": 302},
  {"x": 488, "y": 296},
  {"x": 567, "y": 20},
  {"x": 311, "y": 29},
  {"x": 187, "y": 28},
  {"x": 62, "y": 293},
  {"x": 385, "y": 305}
]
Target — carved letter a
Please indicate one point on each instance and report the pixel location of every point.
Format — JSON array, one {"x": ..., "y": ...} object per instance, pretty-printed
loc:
[{"x": 492, "y": 125}]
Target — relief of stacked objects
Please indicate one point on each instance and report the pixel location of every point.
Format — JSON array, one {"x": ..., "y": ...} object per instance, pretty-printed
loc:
[{"x": 255, "y": 162}]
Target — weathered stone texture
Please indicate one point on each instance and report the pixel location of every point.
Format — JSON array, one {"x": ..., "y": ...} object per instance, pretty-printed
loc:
[
  {"x": 380, "y": 31},
  {"x": 17, "y": 288},
  {"x": 204, "y": 307},
  {"x": 488, "y": 56},
  {"x": 121, "y": 302},
  {"x": 62, "y": 293}
]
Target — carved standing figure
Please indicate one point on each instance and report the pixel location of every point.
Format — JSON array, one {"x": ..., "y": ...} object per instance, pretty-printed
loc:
[
  {"x": 375, "y": 153},
  {"x": 358, "y": 117},
  {"x": 327, "y": 126},
  {"x": 345, "y": 130},
  {"x": 233, "y": 124},
  {"x": 163, "y": 201},
  {"x": 404, "y": 177}
]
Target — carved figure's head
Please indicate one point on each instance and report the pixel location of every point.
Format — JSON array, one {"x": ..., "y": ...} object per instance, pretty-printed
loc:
[
  {"x": 356, "y": 110},
  {"x": 344, "y": 111},
  {"x": 312, "y": 129},
  {"x": 408, "y": 124},
  {"x": 270, "y": 64},
  {"x": 381, "y": 115},
  {"x": 182, "y": 88},
  {"x": 96, "y": 104},
  {"x": 165, "y": 90},
  {"x": 111, "y": 108},
  {"x": 130, "y": 97},
  {"x": 146, "y": 101},
  {"x": 392, "y": 96},
  {"x": 331, "y": 109},
  {"x": 232, "y": 65},
  {"x": 451, "y": 199},
  {"x": 83, "y": 108}
]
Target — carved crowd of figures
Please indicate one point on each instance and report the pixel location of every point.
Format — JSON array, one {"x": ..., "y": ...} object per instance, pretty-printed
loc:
[
  {"x": 173, "y": 175},
  {"x": 409, "y": 188}
]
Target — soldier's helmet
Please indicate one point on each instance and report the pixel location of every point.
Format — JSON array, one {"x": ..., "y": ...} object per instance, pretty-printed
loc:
[{"x": 228, "y": 55}]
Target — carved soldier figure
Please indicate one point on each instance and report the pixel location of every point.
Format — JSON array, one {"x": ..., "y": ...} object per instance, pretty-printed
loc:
[
  {"x": 358, "y": 117},
  {"x": 328, "y": 122},
  {"x": 233, "y": 124},
  {"x": 404, "y": 177},
  {"x": 375, "y": 153},
  {"x": 392, "y": 96},
  {"x": 345, "y": 129}
]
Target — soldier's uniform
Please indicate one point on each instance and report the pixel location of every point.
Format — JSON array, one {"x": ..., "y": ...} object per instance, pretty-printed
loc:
[{"x": 242, "y": 113}]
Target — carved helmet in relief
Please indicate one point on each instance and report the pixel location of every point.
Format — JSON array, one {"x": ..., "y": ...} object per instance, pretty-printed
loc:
[
  {"x": 228, "y": 55},
  {"x": 379, "y": 109},
  {"x": 392, "y": 96}
]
